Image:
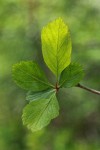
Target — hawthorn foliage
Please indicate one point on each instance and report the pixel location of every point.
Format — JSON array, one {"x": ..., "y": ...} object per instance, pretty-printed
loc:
[{"x": 56, "y": 49}]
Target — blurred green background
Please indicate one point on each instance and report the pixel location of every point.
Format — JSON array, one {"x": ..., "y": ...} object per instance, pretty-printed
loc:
[{"x": 78, "y": 125}]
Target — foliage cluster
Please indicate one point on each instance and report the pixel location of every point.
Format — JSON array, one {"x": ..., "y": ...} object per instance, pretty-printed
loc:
[{"x": 56, "y": 49}]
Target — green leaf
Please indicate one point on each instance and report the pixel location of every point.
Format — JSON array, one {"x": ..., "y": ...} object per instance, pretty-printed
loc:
[
  {"x": 56, "y": 46},
  {"x": 71, "y": 75},
  {"x": 32, "y": 96},
  {"x": 30, "y": 76},
  {"x": 38, "y": 114}
]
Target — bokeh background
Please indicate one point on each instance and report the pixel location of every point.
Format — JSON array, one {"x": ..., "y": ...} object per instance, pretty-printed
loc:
[{"x": 78, "y": 125}]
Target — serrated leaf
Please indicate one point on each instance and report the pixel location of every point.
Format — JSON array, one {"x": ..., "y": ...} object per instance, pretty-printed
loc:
[
  {"x": 72, "y": 75},
  {"x": 56, "y": 46},
  {"x": 30, "y": 76},
  {"x": 33, "y": 96},
  {"x": 38, "y": 114}
]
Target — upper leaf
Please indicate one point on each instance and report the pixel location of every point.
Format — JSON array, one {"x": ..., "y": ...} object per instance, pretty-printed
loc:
[
  {"x": 32, "y": 96},
  {"x": 30, "y": 76},
  {"x": 38, "y": 114},
  {"x": 56, "y": 46},
  {"x": 71, "y": 75}
]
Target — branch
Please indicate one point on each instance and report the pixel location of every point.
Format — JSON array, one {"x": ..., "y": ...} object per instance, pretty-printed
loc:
[{"x": 88, "y": 89}]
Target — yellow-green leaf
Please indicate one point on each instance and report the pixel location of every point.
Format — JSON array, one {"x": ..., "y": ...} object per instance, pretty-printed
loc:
[{"x": 56, "y": 46}]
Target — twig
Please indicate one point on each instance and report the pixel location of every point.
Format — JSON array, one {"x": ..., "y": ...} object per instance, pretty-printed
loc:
[{"x": 88, "y": 89}]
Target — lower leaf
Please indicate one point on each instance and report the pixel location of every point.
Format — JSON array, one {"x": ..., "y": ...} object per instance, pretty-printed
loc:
[
  {"x": 33, "y": 96},
  {"x": 38, "y": 114}
]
